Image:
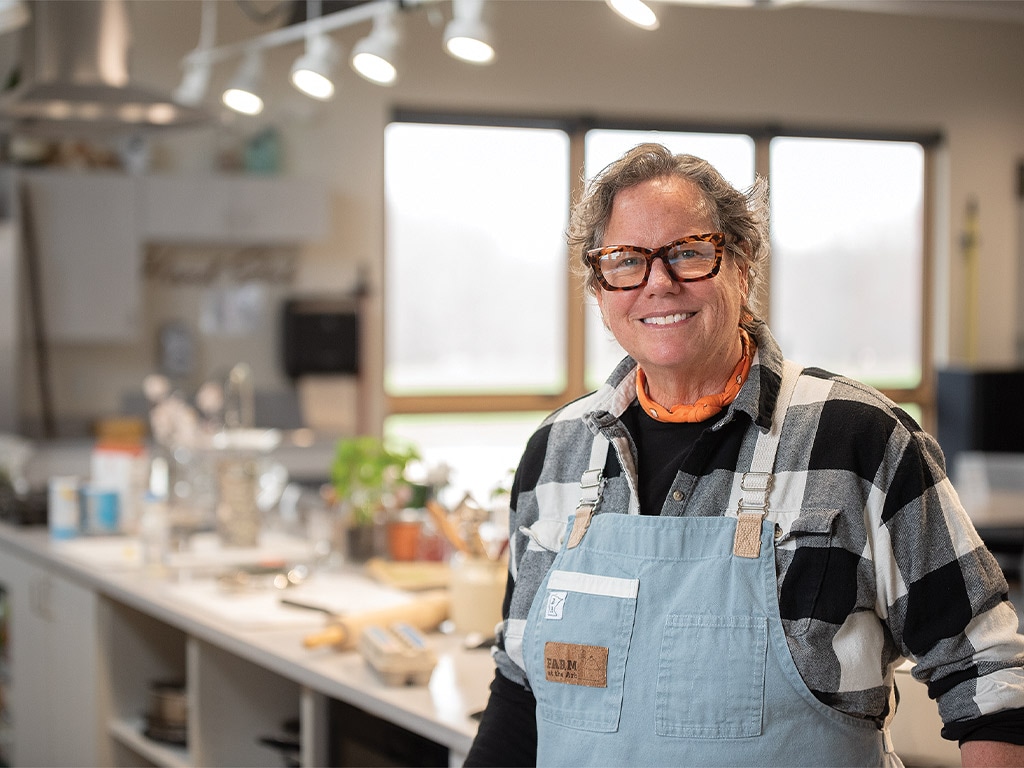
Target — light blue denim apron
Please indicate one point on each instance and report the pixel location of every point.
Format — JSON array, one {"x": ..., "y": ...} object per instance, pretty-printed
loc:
[{"x": 658, "y": 641}]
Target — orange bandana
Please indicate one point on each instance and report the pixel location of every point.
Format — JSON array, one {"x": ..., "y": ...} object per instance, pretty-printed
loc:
[{"x": 705, "y": 407}]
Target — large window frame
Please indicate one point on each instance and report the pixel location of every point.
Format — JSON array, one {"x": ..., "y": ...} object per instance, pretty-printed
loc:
[{"x": 921, "y": 396}]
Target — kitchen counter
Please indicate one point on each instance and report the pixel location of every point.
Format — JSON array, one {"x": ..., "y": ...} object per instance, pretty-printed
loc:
[
  {"x": 146, "y": 625},
  {"x": 89, "y": 629}
]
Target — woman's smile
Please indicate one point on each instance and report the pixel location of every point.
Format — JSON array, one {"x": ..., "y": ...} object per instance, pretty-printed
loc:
[{"x": 670, "y": 319}]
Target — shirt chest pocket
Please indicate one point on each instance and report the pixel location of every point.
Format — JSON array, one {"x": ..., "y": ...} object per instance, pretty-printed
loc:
[
  {"x": 575, "y": 648},
  {"x": 806, "y": 542}
]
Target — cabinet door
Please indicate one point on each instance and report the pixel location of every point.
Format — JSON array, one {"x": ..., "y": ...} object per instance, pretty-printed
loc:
[
  {"x": 52, "y": 696},
  {"x": 232, "y": 210},
  {"x": 84, "y": 227}
]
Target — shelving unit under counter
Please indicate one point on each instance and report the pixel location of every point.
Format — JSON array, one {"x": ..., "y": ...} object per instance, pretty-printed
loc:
[{"x": 246, "y": 685}]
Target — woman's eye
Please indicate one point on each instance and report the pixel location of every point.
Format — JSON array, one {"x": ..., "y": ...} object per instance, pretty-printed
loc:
[
  {"x": 624, "y": 262},
  {"x": 682, "y": 254}
]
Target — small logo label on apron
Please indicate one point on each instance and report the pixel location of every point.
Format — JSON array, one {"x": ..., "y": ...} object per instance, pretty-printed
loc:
[
  {"x": 576, "y": 664},
  {"x": 554, "y": 605}
]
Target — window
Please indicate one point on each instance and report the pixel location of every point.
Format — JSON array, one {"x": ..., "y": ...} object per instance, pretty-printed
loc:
[
  {"x": 485, "y": 332},
  {"x": 847, "y": 242},
  {"x": 475, "y": 288}
]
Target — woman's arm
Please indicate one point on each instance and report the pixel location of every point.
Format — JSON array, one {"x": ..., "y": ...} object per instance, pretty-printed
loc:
[
  {"x": 991, "y": 754},
  {"x": 508, "y": 728}
]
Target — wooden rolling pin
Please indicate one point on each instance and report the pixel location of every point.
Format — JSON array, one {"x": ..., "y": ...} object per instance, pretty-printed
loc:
[{"x": 425, "y": 613}]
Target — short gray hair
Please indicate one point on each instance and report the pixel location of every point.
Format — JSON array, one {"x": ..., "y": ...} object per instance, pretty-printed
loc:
[{"x": 743, "y": 215}]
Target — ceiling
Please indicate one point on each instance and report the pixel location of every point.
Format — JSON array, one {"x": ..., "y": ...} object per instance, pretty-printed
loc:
[{"x": 982, "y": 10}]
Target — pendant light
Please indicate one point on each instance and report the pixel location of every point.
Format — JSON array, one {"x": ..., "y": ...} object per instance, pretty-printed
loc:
[
  {"x": 373, "y": 57},
  {"x": 242, "y": 95},
  {"x": 636, "y": 12},
  {"x": 312, "y": 71},
  {"x": 467, "y": 37}
]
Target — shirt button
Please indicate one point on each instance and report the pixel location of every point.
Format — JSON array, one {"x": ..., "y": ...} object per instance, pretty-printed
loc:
[
  {"x": 778, "y": 532},
  {"x": 677, "y": 495},
  {"x": 654, "y": 412}
]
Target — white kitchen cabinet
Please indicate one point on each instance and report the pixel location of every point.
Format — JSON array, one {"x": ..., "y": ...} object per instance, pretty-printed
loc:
[
  {"x": 89, "y": 256},
  {"x": 52, "y": 651},
  {"x": 90, "y": 228},
  {"x": 239, "y": 210}
]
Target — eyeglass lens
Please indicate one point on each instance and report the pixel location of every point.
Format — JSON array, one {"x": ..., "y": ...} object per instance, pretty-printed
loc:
[{"x": 627, "y": 268}]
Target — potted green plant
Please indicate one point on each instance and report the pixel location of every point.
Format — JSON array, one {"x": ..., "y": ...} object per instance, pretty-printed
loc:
[{"x": 368, "y": 476}]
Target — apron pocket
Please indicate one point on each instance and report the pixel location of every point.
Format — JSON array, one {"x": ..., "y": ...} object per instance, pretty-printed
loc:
[
  {"x": 711, "y": 677},
  {"x": 578, "y": 636}
]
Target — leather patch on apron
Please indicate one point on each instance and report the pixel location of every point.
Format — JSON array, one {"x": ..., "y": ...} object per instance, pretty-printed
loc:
[
  {"x": 576, "y": 664},
  {"x": 747, "y": 541}
]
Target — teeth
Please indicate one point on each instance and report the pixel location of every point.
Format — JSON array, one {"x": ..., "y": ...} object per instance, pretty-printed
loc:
[{"x": 667, "y": 319}]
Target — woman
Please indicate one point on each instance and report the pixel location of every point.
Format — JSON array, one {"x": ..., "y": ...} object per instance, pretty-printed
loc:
[{"x": 719, "y": 558}]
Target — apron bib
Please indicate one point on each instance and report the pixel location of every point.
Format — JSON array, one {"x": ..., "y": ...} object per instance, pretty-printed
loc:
[{"x": 658, "y": 641}]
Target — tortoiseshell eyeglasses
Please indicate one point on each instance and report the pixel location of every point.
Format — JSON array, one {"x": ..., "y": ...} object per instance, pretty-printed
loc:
[{"x": 689, "y": 259}]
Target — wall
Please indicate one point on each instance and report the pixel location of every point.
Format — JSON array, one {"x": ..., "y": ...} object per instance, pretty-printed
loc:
[{"x": 793, "y": 65}]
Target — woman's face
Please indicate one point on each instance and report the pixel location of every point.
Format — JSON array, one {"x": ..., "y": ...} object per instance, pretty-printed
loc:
[{"x": 685, "y": 336}]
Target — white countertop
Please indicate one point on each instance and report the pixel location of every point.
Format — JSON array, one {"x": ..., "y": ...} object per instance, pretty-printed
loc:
[{"x": 257, "y": 628}]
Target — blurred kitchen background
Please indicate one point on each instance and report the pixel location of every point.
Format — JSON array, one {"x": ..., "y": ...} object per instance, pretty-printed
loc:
[{"x": 350, "y": 271}]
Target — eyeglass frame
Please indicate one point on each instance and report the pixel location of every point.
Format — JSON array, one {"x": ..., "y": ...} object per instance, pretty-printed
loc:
[{"x": 717, "y": 239}]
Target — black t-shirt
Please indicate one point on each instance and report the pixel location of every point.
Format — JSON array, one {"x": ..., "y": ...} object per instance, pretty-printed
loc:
[{"x": 661, "y": 447}]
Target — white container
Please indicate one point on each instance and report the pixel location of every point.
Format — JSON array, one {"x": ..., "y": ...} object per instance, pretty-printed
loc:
[
  {"x": 126, "y": 470},
  {"x": 63, "y": 507},
  {"x": 477, "y": 590}
]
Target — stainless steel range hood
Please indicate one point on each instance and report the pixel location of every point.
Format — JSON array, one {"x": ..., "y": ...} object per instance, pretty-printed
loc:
[{"x": 78, "y": 84}]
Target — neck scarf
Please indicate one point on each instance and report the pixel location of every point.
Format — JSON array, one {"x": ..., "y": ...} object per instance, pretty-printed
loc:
[{"x": 705, "y": 407}]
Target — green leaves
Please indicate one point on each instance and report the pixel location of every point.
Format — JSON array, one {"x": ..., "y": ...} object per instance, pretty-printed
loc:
[{"x": 366, "y": 468}]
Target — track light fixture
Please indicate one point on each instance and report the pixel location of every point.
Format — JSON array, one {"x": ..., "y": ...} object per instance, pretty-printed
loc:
[
  {"x": 636, "y": 12},
  {"x": 242, "y": 95},
  {"x": 312, "y": 71},
  {"x": 373, "y": 57},
  {"x": 197, "y": 64},
  {"x": 466, "y": 36},
  {"x": 194, "y": 83},
  {"x": 14, "y": 15}
]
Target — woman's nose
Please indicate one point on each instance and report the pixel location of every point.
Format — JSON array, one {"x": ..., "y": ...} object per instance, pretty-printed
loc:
[{"x": 660, "y": 280}]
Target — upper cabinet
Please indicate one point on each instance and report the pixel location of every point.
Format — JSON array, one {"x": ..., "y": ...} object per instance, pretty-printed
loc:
[
  {"x": 86, "y": 253},
  {"x": 242, "y": 210},
  {"x": 89, "y": 229}
]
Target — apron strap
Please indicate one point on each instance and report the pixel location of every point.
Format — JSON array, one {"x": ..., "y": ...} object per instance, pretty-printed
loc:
[
  {"x": 591, "y": 487},
  {"x": 756, "y": 484}
]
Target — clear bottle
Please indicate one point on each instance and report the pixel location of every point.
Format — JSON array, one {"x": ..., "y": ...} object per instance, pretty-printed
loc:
[{"x": 154, "y": 530}]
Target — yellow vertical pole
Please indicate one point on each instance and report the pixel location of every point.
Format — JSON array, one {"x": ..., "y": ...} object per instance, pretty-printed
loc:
[{"x": 969, "y": 248}]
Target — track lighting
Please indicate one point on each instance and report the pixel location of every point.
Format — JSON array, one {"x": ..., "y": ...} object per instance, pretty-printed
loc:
[
  {"x": 197, "y": 64},
  {"x": 13, "y": 15},
  {"x": 194, "y": 83},
  {"x": 467, "y": 37},
  {"x": 312, "y": 71},
  {"x": 373, "y": 57},
  {"x": 243, "y": 93},
  {"x": 636, "y": 12}
]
